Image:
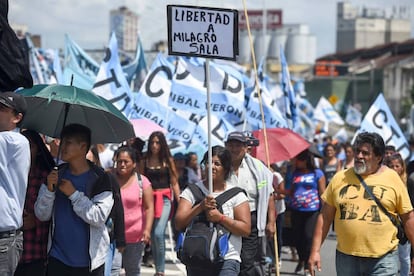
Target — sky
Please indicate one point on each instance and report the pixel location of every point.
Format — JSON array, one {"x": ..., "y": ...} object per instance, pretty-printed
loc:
[{"x": 87, "y": 22}]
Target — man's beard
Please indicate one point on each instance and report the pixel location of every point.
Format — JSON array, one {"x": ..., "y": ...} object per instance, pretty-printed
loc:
[{"x": 360, "y": 167}]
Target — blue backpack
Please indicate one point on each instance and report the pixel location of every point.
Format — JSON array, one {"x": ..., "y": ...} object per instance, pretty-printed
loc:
[{"x": 203, "y": 243}]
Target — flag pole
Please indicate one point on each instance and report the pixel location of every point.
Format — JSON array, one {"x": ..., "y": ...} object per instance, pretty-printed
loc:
[
  {"x": 209, "y": 153},
  {"x": 257, "y": 84},
  {"x": 263, "y": 119}
]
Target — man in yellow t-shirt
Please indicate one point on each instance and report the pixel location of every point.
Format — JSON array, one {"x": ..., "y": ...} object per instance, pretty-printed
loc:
[{"x": 367, "y": 242}]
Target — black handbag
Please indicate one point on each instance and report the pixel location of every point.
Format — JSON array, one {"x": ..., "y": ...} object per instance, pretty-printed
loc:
[{"x": 395, "y": 220}]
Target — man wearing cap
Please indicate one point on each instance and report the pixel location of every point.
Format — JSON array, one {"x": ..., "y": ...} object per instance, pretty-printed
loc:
[
  {"x": 14, "y": 171},
  {"x": 253, "y": 176}
]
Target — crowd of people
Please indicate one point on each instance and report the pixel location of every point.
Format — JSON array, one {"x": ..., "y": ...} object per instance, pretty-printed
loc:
[{"x": 81, "y": 210}]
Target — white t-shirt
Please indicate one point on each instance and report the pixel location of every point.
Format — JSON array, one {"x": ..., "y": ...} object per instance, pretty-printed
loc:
[{"x": 235, "y": 242}]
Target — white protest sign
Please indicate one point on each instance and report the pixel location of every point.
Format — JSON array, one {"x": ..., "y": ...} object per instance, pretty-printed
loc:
[
  {"x": 203, "y": 32},
  {"x": 379, "y": 119}
]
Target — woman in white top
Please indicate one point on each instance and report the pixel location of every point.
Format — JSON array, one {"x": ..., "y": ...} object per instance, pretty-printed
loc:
[{"x": 235, "y": 217}]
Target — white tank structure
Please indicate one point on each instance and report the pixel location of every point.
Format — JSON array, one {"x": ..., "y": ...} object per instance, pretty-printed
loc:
[
  {"x": 261, "y": 44},
  {"x": 296, "y": 49},
  {"x": 311, "y": 49},
  {"x": 276, "y": 40}
]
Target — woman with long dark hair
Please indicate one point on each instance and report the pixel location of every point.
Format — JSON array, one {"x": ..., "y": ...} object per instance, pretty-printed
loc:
[
  {"x": 308, "y": 184},
  {"x": 158, "y": 165}
]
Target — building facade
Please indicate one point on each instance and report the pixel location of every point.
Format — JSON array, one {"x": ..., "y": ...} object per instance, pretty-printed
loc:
[
  {"x": 124, "y": 23},
  {"x": 356, "y": 30}
]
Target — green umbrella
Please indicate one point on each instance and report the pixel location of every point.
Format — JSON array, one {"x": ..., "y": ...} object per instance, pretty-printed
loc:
[{"x": 50, "y": 107}]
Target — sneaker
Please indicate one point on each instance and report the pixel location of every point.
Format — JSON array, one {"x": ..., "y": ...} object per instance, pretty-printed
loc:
[{"x": 307, "y": 273}]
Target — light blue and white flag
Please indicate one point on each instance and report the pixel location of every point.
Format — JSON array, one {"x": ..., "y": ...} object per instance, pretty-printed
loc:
[
  {"x": 137, "y": 69},
  {"x": 189, "y": 89},
  {"x": 325, "y": 112},
  {"x": 219, "y": 130},
  {"x": 272, "y": 116},
  {"x": 78, "y": 65},
  {"x": 157, "y": 83},
  {"x": 38, "y": 65},
  {"x": 178, "y": 127},
  {"x": 288, "y": 92},
  {"x": 111, "y": 83},
  {"x": 379, "y": 119},
  {"x": 341, "y": 135},
  {"x": 353, "y": 116},
  {"x": 57, "y": 68}
]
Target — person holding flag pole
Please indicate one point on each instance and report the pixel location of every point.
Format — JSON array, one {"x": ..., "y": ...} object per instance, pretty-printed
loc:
[{"x": 247, "y": 173}]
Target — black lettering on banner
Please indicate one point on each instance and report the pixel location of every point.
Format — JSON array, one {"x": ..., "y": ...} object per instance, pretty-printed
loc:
[
  {"x": 108, "y": 55},
  {"x": 183, "y": 75},
  {"x": 393, "y": 132},
  {"x": 124, "y": 96},
  {"x": 179, "y": 132},
  {"x": 210, "y": 28},
  {"x": 151, "y": 77},
  {"x": 379, "y": 124},
  {"x": 204, "y": 49},
  {"x": 226, "y": 85},
  {"x": 173, "y": 144},
  {"x": 109, "y": 80},
  {"x": 215, "y": 131},
  {"x": 195, "y": 118}
]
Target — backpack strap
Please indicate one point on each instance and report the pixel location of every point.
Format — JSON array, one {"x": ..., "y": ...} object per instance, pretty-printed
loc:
[
  {"x": 221, "y": 199},
  {"x": 225, "y": 196},
  {"x": 197, "y": 193}
]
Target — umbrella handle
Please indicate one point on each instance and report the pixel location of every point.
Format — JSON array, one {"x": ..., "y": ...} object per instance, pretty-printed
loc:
[{"x": 55, "y": 168}]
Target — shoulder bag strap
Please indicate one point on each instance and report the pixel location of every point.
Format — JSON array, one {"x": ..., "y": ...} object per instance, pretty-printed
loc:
[
  {"x": 391, "y": 217},
  {"x": 140, "y": 184}
]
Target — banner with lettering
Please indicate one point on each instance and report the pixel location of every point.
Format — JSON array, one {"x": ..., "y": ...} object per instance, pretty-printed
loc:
[
  {"x": 219, "y": 130},
  {"x": 379, "y": 119},
  {"x": 178, "y": 127},
  {"x": 288, "y": 92},
  {"x": 272, "y": 115},
  {"x": 202, "y": 31},
  {"x": 157, "y": 84},
  {"x": 111, "y": 83},
  {"x": 189, "y": 91},
  {"x": 78, "y": 65}
]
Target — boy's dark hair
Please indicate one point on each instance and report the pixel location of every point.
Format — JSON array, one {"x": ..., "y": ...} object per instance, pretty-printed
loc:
[
  {"x": 79, "y": 132},
  {"x": 390, "y": 148}
]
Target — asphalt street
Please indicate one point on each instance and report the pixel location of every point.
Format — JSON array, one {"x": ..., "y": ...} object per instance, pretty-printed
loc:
[{"x": 174, "y": 267}]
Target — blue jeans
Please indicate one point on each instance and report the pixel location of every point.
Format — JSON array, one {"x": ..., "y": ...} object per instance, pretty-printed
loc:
[
  {"x": 348, "y": 265},
  {"x": 131, "y": 258},
  {"x": 10, "y": 251},
  {"x": 113, "y": 261},
  {"x": 405, "y": 259},
  {"x": 158, "y": 236},
  {"x": 228, "y": 268}
]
